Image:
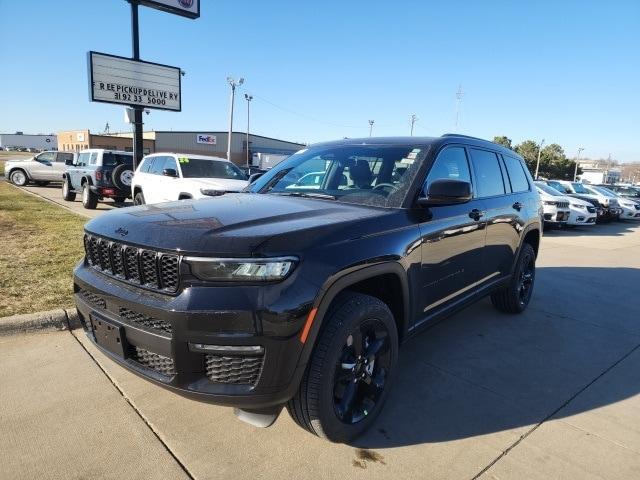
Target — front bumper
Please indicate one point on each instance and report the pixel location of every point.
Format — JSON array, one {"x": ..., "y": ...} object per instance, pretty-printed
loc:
[
  {"x": 557, "y": 216},
  {"x": 164, "y": 339}
]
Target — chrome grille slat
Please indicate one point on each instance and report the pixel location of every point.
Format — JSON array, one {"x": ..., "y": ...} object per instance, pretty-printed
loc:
[{"x": 138, "y": 266}]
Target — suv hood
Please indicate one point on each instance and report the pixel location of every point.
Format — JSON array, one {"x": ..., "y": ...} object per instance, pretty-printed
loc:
[
  {"x": 236, "y": 224},
  {"x": 226, "y": 184}
]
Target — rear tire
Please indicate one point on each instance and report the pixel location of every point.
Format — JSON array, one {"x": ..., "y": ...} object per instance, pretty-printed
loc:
[
  {"x": 138, "y": 199},
  {"x": 89, "y": 199},
  {"x": 19, "y": 177},
  {"x": 67, "y": 193},
  {"x": 515, "y": 297},
  {"x": 341, "y": 393}
]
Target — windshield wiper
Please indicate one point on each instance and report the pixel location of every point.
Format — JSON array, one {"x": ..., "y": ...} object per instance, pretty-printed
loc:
[{"x": 323, "y": 196}]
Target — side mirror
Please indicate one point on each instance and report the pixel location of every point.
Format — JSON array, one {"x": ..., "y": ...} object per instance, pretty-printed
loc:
[
  {"x": 255, "y": 176},
  {"x": 169, "y": 172},
  {"x": 68, "y": 161},
  {"x": 446, "y": 192}
]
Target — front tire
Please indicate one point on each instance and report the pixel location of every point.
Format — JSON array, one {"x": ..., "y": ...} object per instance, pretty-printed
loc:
[
  {"x": 138, "y": 199},
  {"x": 89, "y": 199},
  {"x": 67, "y": 194},
  {"x": 515, "y": 297},
  {"x": 19, "y": 178},
  {"x": 348, "y": 377}
]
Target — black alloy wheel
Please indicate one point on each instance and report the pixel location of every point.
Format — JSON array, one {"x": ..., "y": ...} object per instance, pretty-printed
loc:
[
  {"x": 527, "y": 276},
  {"x": 515, "y": 297},
  {"x": 361, "y": 372}
]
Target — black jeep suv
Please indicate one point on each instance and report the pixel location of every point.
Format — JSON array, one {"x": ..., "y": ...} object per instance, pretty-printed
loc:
[{"x": 299, "y": 291}]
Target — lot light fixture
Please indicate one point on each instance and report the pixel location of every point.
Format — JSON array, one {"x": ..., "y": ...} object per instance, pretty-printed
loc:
[{"x": 233, "y": 83}]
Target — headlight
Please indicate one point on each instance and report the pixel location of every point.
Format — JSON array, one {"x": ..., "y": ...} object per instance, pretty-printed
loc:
[
  {"x": 550, "y": 203},
  {"x": 241, "y": 269},
  {"x": 577, "y": 205}
]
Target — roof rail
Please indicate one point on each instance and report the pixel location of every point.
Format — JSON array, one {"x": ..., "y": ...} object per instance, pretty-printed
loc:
[{"x": 463, "y": 136}]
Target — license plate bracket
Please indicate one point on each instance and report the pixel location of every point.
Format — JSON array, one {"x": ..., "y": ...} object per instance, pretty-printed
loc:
[{"x": 109, "y": 335}]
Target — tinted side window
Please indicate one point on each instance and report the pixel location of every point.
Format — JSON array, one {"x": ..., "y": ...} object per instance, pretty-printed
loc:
[
  {"x": 63, "y": 157},
  {"x": 451, "y": 164},
  {"x": 158, "y": 165},
  {"x": 94, "y": 159},
  {"x": 488, "y": 173},
  {"x": 83, "y": 159},
  {"x": 170, "y": 162},
  {"x": 518, "y": 178}
]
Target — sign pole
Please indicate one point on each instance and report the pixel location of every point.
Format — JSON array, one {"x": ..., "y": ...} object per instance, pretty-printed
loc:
[{"x": 137, "y": 111}]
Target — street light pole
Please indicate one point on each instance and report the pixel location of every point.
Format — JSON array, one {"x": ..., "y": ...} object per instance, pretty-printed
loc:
[
  {"x": 233, "y": 84},
  {"x": 575, "y": 172},
  {"x": 371, "y": 122},
  {"x": 138, "y": 146},
  {"x": 248, "y": 98},
  {"x": 414, "y": 119},
  {"x": 535, "y": 177}
]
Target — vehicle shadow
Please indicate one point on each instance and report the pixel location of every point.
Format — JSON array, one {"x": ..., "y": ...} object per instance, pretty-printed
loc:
[
  {"x": 614, "y": 228},
  {"x": 481, "y": 371}
]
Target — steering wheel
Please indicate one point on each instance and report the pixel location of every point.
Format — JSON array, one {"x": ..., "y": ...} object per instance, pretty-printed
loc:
[{"x": 390, "y": 186}]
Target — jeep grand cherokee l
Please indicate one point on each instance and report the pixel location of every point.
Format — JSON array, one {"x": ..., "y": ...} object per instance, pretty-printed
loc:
[{"x": 301, "y": 297}]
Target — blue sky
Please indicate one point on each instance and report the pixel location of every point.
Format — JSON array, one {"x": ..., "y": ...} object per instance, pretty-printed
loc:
[{"x": 566, "y": 71}]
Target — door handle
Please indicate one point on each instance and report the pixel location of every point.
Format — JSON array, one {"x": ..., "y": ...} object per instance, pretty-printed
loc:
[
  {"x": 518, "y": 206},
  {"x": 476, "y": 214}
]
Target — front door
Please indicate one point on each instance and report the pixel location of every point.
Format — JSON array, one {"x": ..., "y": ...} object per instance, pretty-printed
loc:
[
  {"x": 453, "y": 238},
  {"x": 43, "y": 166}
]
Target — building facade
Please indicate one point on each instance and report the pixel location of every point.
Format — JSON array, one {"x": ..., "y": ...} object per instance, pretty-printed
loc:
[
  {"x": 18, "y": 139},
  {"x": 194, "y": 142},
  {"x": 76, "y": 140}
]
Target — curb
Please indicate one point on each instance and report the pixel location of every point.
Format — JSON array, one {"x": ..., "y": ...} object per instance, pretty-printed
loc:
[{"x": 53, "y": 320}]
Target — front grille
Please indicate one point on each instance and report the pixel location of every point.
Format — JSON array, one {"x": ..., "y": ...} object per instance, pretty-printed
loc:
[
  {"x": 591, "y": 209},
  {"x": 145, "y": 321},
  {"x": 563, "y": 204},
  {"x": 159, "y": 363},
  {"x": 148, "y": 268},
  {"x": 239, "y": 370},
  {"x": 92, "y": 299}
]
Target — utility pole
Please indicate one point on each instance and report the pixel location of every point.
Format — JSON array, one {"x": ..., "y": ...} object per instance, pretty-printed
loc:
[
  {"x": 137, "y": 111},
  {"x": 459, "y": 95},
  {"x": 575, "y": 172},
  {"x": 414, "y": 119},
  {"x": 233, "y": 83},
  {"x": 535, "y": 177},
  {"x": 371, "y": 122},
  {"x": 248, "y": 98}
]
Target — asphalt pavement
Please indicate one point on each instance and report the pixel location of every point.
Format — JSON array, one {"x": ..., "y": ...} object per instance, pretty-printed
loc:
[
  {"x": 550, "y": 394},
  {"x": 53, "y": 193}
]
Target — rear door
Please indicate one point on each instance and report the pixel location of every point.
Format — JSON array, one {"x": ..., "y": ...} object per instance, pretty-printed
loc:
[
  {"x": 60, "y": 165},
  {"x": 153, "y": 183},
  {"x": 502, "y": 213},
  {"x": 453, "y": 238}
]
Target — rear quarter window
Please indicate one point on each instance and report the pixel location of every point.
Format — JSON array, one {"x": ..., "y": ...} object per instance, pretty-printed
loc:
[{"x": 517, "y": 175}]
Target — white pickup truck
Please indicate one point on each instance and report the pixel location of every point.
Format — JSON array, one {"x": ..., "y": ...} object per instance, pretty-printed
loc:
[{"x": 165, "y": 177}]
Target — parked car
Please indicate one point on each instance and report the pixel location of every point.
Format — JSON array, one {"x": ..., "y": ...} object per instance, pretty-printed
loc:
[
  {"x": 555, "y": 206},
  {"x": 164, "y": 177},
  {"x": 630, "y": 209},
  {"x": 627, "y": 191},
  {"x": 301, "y": 298},
  {"x": 99, "y": 174},
  {"x": 582, "y": 212},
  {"x": 607, "y": 211},
  {"x": 41, "y": 169}
]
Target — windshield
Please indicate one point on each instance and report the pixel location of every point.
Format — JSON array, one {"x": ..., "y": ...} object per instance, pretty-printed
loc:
[
  {"x": 364, "y": 174},
  {"x": 113, "y": 159},
  {"x": 579, "y": 188},
  {"x": 203, "y": 168},
  {"x": 548, "y": 190}
]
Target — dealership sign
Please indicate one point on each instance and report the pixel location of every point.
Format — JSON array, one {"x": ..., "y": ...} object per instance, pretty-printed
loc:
[
  {"x": 186, "y": 8},
  {"x": 134, "y": 83},
  {"x": 208, "y": 139}
]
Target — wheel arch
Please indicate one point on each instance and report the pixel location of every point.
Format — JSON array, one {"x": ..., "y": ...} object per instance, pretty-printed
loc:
[
  {"x": 367, "y": 280},
  {"x": 23, "y": 170}
]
